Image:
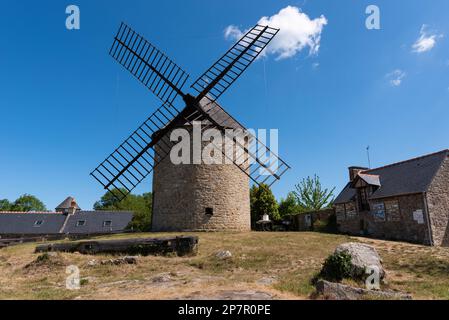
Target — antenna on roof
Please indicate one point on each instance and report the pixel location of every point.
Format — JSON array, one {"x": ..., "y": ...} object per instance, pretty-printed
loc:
[{"x": 369, "y": 160}]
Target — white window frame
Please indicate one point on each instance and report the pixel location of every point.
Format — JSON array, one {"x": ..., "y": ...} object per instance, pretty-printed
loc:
[
  {"x": 38, "y": 223},
  {"x": 79, "y": 224}
]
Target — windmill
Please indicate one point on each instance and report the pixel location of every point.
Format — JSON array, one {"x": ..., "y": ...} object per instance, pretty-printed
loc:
[{"x": 148, "y": 146}]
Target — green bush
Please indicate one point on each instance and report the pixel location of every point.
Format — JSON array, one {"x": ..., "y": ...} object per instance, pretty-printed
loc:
[
  {"x": 336, "y": 267},
  {"x": 43, "y": 258}
]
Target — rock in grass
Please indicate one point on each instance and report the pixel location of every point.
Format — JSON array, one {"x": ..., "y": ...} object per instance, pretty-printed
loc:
[
  {"x": 337, "y": 291},
  {"x": 362, "y": 257},
  {"x": 161, "y": 278},
  {"x": 267, "y": 281},
  {"x": 92, "y": 263},
  {"x": 122, "y": 260},
  {"x": 223, "y": 255}
]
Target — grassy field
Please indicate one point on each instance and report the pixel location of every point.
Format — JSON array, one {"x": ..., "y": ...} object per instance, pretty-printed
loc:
[{"x": 280, "y": 264}]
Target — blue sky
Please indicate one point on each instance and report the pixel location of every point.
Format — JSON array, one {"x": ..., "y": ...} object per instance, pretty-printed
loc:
[{"x": 65, "y": 104}]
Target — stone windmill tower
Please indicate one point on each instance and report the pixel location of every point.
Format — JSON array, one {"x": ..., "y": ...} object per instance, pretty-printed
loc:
[{"x": 195, "y": 195}]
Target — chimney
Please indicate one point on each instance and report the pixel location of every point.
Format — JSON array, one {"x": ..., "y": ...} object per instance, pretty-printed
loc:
[
  {"x": 73, "y": 206},
  {"x": 354, "y": 171}
]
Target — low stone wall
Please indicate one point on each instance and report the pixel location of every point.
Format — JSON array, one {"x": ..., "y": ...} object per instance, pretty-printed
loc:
[
  {"x": 182, "y": 246},
  {"x": 307, "y": 220}
]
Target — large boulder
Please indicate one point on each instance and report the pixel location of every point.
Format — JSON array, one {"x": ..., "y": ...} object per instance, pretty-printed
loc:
[
  {"x": 337, "y": 291},
  {"x": 363, "y": 257}
]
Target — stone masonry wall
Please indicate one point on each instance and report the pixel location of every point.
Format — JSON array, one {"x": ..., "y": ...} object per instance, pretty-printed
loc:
[
  {"x": 397, "y": 223},
  {"x": 183, "y": 192},
  {"x": 438, "y": 204}
]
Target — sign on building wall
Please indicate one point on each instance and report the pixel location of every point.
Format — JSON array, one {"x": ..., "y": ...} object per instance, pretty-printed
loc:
[
  {"x": 392, "y": 209},
  {"x": 379, "y": 211},
  {"x": 418, "y": 216}
]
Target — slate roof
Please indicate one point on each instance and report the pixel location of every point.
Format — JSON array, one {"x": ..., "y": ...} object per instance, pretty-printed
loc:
[
  {"x": 94, "y": 222},
  {"x": 371, "y": 179},
  {"x": 406, "y": 177},
  {"x": 346, "y": 195},
  {"x": 25, "y": 223}
]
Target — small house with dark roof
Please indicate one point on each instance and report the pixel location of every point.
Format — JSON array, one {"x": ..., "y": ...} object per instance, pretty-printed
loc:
[
  {"x": 68, "y": 219},
  {"x": 407, "y": 201}
]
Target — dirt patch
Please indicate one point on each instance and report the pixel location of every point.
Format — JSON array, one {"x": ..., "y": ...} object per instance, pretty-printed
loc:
[
  {"x": 45, "y": 262},
  {"x": 230, "y": 295}
]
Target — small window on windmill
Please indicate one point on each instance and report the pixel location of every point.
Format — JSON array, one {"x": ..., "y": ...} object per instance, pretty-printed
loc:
[
  {"x": 107, "y": 223},
  {"x": 209, "y": 211},
  {"x": 38, "y": 223},
  {"x": 81, "y": 223}
]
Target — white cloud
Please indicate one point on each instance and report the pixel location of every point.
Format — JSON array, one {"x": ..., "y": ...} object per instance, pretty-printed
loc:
[
  {"x": 426, "y": 40},
  {"x": 395, "y": 78},
  {"x": 315, "y": 65},
  {"x": 233, "y": 32},
  {"x": 297, "y": 32}
]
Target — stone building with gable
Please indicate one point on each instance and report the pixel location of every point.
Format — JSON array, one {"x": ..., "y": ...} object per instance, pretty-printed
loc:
[{"x": 406, "y": 201}]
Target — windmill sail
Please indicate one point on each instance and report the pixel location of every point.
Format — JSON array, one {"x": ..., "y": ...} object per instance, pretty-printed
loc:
[
  {"x": 147, "y": 146},
  {"x": 218, "y": 78},
  {"x": 136, "y": 158},
  {"x": 148, "y": 64},
  {"x": 255, "y": 159}
]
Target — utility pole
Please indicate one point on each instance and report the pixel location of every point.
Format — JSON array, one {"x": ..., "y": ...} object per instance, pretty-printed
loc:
[{"x": 369, "y": 160}]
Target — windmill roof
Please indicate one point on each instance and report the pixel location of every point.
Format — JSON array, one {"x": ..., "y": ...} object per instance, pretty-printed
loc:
[
  {"x": 401, "y": 178},
  {"x": 214, "y": 110}
]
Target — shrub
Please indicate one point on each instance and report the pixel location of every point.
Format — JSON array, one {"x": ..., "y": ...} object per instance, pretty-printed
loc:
[
  {"x": 336, "y": 267},
  {"x": 43, "y": 258}
]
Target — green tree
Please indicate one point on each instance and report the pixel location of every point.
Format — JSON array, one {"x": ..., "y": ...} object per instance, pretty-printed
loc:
[
  {"x": 139, "y": 204},
  {"x": 5, "y": 205},
  {"x": 27, "y": 203},
  {"x": 311, "y": 196},
  {"x": 289, "y": 205},
  {"x": 263, "y": 202}
]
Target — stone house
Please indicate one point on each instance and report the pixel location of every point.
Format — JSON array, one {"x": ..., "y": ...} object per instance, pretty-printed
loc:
[{"x": 407, "y": 201}]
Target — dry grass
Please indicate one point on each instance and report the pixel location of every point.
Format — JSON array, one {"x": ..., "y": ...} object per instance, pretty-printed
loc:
[{"x": 289, "y": 258}]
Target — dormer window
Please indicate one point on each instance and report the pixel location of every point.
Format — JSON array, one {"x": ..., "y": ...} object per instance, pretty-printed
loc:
[
  {"x": 38, "y": 223},
  {"x": 81, "y": 223},
  {"x": 107, "y": 223}
]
